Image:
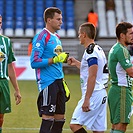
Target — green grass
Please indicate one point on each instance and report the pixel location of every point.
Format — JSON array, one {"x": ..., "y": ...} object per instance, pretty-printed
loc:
[{"x": 24, "y": 117}]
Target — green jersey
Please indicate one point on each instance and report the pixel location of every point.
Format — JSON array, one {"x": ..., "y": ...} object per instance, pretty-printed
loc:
[
  {"x": 6, "y": 55},
  {"x": 118, "y": 62}
]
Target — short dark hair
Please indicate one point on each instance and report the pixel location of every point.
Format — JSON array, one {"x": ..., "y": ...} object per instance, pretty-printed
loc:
[
  {"x": 91, "y": 11},
  {"x": 122, "y": 28},
  {"x": 89, "y": 29},
  {"x": 49, "y": 12}
]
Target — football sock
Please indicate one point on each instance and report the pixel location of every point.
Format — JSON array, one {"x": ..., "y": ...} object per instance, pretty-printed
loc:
[
  {"x": 118, "y": 131},
  {"x": 57, "y": 126},
  {"x": 81, "y": 130},
  {"x": 46, "y": 126},
  {"x": 0, "y": 130}
]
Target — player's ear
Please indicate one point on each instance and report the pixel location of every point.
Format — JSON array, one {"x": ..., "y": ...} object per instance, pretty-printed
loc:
[
  {"x": 122, "y": 36},
  {"x": 48, "y": 20},
  {"x": 84, "y": 34}
]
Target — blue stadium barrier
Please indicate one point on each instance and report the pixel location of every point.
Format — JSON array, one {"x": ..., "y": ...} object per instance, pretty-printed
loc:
[
  {"x": 61, "y": 5},
  {"x": 29, "y": 24},
  {"x": 31, "y": 13},
  {"x": 19, "y": 10},
  {"x": 1, "y": 7},
  {"x": 39, "y": 13},
  {"x": 9, "y": 10},
  {"x": 19, "y": 28},
  {"x": 29, "y": 28},
  {"x": 29, "y": 10},
  {"x": 19, "y": 24},
  {"x": 49, "y": 3},
  {"x": 9, "y": 28},
  {"x": 39, "y": 24},
  {"x": 9, "y": 24}
]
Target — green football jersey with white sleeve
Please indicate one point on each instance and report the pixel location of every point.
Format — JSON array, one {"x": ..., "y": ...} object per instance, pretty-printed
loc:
[
  {"x": 6, "y": 55},
  {"x": 118, "y": 61}
]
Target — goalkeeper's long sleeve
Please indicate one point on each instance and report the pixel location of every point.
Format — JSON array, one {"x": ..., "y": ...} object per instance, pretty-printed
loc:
[{"x": 38, "y": 62}]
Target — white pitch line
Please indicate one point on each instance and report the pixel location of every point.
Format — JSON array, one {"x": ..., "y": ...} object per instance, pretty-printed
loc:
[
  {"x": 65, "y": 129},
  {"x": 14, "y": 128}
]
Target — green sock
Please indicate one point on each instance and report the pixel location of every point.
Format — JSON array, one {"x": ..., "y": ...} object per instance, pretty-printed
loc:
[
  {"x": 111, "y": 131},
  {"x": 0, "y": 130},
  {"x": 117, "y": 131}
]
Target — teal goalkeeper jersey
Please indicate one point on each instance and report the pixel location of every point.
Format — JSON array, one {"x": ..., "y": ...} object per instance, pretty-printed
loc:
[
  {"x": 118, "y": 62},
  {"x": 6, "y": 55}
]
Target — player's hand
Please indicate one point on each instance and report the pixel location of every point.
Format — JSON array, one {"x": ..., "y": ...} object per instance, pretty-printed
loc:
[
  {"x": 73, "y": 62},
  {"x": 17, "y": 97},
  {"x": 86, "y": 106},
  {"x": 61, "y": 58}
]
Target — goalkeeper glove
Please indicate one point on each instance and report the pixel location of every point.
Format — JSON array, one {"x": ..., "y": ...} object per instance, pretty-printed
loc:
[
  {"x": 67, "y": 91},
  {"x": 61, "y": 58}
]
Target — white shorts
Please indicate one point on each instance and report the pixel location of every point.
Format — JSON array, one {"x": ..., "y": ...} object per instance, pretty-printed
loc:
[{"x": 96, "y": 119}]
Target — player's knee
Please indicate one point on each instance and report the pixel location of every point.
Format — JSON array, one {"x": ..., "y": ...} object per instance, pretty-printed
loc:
[
  {"x": 121, "y": 127},
  {"x": 46, "y": 125},
  {"x": 58, "y": 126},
  {"x": 75, "y": 127},
  {"x": 72, "y": 126},
  {"x": 1, "y": 121}
]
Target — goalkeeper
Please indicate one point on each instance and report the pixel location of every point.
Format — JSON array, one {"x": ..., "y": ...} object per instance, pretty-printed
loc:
[{"x": 47, "y": 57}]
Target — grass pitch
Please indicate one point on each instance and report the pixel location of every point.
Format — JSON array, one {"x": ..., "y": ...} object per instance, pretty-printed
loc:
[{"x": 24, "y": 117}]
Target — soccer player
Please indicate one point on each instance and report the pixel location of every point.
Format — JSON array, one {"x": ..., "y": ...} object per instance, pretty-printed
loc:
[
  {"x": 121, "y": 71},
  {"x": 47, "y": 57},
  {"x": 7, "y": 69},
  {"x": 91, "y": 109}
]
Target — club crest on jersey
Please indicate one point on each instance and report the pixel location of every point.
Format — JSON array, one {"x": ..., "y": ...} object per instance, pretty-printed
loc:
[
  {"x": 1, "y": 46},
  {"x": 2, "y": 56},
  {"x": 37, "y": 44},
  {"x": 58, "y": 49},
  {"x": 127, "y": 61}
]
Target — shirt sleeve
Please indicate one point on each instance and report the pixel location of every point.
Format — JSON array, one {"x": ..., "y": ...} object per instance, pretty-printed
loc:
[
  {"x": 36, "y": 59},
  {"x": 92, "y": 61},
  {"x": 123, "y": 57},
  {"x": 11, "y": 56}
]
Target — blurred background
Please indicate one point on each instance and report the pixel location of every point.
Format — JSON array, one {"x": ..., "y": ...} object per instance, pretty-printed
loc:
[{"x": 22, "y": 19}]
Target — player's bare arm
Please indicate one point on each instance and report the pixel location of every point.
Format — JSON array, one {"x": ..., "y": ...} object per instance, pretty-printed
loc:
[
  {"x": 90, "y": 87},
  {"x": 12, "y": 77},
  {"x": 73, "y": 62},
  {"x": 130, "y": 71}
]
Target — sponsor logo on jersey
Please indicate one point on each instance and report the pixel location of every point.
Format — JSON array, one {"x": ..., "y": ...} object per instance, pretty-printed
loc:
[
  {"x": 58, "y": 49},
  {"x": 7, "y": 109},
  {"x": 2, "y": 56}
]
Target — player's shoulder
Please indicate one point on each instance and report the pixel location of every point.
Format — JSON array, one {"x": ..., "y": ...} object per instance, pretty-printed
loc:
[
  {"x": 98, "y": 49},
  {"x": 119, "y": 48},
  {"x": 41, "y": 34},
  {"x": 5, "y": 37}
]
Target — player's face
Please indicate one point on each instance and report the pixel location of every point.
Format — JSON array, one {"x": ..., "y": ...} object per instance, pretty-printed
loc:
[
  {"x": 81, "y": 36},
  {"x": 56, "y": 22},
  {"x": 0, "y": 22},
  {"x": 129, "y": 37}
]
